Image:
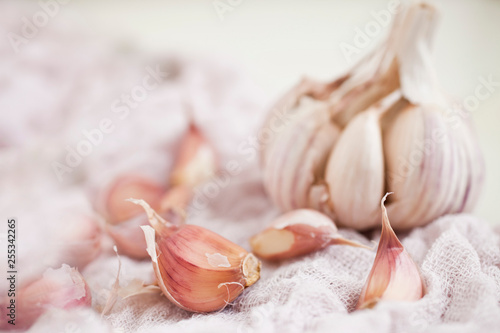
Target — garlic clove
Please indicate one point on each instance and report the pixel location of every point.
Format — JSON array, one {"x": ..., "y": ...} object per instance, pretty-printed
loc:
[
  {"x": 297, "y": 233},
  {"x": 394, "y": 276},
  {"x": 196, "y": 162},
  {"x": 126, "y": 186},
  {"x": 319, "y": 199},
  {"x": 355, "y": 172},
  {"x": 197, "y": 269},
  {"x": 288, "y": 105},
  {"x": 428, "y": 166},
  {"x": 79, "y": 240},
  {"x": 288, "y": 151},
  {"x": 311, "y": 169},
  {"x": 62, "y": 288},
  {"x": 128, "y": 237},
  {"x": 298, "y": 155},
  {"x": 476, "y": 168},
  {"x": 118, "y": 292},
  {"x": 175, "y": 201}
]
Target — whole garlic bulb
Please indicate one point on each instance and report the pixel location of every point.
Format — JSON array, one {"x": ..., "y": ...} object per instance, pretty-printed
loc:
[{"x": 349, "y": 141}]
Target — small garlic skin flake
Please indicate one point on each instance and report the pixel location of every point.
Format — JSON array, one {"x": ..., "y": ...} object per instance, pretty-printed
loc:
[
  {"x": 217, "y": 260},
  {"x": 394, "y": 275},
  {"x": 197, "y": 269}
]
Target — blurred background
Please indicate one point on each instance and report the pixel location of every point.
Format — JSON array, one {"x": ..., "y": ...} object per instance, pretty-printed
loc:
[{"x": 277, "y": 42}]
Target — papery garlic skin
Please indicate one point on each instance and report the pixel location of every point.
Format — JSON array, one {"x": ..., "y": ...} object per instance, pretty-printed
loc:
[
  {"x": 376, "y": 137},
  {"x": 394, "y": 275},
  {"x": 296, "y": 159},
  {"x": 297, "y": 233},
  {"x": 195, "y": 162},
  {"x": 355, "y": 172},
  {"x": 62, "y": 288},
  {"x": 288, "y": 105},
  {"x": 197, "y": 269}
]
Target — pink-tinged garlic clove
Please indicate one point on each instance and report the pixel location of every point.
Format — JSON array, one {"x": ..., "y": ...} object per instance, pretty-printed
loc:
[
  {"x": 80, "y": 241},
  {"x": 297, "y": 233},
  {"x": 127, "y": 186},
  {"x": 175, "y": 201},
  {"x": 355, "y": 172},
  {"x": 197, "y": 269},
  {"x": 394, "y": 276},
  {"x": 62, "y": 288},
  {"x": 196, "y": 162},
  {"x": 129, "y": 238}
]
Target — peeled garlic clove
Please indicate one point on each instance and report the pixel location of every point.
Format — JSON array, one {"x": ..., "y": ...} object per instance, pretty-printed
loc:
[
  {"x": 394, "y": 276},
  {"x": 296, "y": 233},
  {"x": 355, "y": 172},
  {"x": 197, "y": 160},
  {"x": 197, "y": 269},
  {"x": 62, "y": 288},
  {"x": 124, "y": 187}
]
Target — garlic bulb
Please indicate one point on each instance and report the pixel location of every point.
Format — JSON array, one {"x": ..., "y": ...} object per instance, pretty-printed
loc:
[
  {"x": 296, "y": 233},
  {"x": 381, "y": 127},
  {"x": 79, "y": 240},
  {"x": 197, "y": 269},
  {"x": 394, "y": 276},
  {"x": 62, "y": 288}
]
